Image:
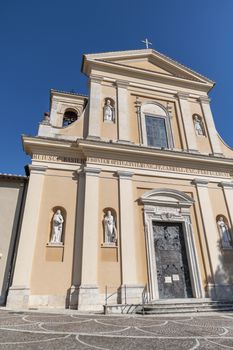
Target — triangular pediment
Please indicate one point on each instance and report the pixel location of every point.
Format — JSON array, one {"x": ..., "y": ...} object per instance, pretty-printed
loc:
[
  {"x": 144, "y": 64},
  {"x": 148, "y": 62}
]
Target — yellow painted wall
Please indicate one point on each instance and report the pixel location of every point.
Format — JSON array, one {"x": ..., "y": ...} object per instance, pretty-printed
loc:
[
  {"x": 60, "y": 190},
  {"x": 109, "y": 271}
]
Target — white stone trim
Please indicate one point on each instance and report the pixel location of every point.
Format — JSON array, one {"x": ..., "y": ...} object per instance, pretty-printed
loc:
[
  {"x": 187, "y": 119},
  {"x": 92, "y": 171},
  {"x": 165, "y": 115},
  {"x": 155, "y": 209},
  {"x": 210, "y": 126},
  {"x": 124, "y": 174},
  {"x": 200, "y": 182},
  {"x": 37, "y": 169}
]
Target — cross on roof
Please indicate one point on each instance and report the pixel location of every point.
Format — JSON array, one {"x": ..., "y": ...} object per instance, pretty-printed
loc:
[{"x": 146, "y": 42}]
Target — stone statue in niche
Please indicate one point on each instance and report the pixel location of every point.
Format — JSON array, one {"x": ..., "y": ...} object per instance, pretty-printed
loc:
[
  {"x": 110, "y": 228},
  {"x": 57, "y": 228},
  {"x": 198, "y": 125},
  {"x": 109, "y": 112},
  {"x": 224, "y": 233}
]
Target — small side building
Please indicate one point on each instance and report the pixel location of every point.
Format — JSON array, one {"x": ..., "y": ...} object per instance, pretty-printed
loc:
[{"x": 12, "y": 194}]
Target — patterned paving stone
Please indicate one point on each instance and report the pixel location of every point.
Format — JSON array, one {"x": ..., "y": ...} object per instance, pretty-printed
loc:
[
  {"x": 137, "y": 343},
  {"x": 44, "y": 331}
]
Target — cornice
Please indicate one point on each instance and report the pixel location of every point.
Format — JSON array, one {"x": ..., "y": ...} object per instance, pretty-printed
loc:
[
  {"x": 92, "y": 148},
  {"x": 149, "y": 153},
  {"x": 145, "y": 53},
  {"x": 147, "y": 75},
  {"x": 32, "y": 144}
]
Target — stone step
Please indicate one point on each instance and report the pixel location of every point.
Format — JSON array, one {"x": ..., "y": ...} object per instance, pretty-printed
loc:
[
  {"x": 180, "y": 306},
  {"x": 188, "y": 301},
  {"x": 169, "y": 308}
]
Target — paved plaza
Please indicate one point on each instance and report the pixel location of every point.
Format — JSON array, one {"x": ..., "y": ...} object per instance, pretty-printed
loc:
[{"x": 37, "y": 330}]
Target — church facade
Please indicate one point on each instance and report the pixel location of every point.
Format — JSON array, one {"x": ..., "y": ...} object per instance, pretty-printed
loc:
[{"x": 130, "y": 190}]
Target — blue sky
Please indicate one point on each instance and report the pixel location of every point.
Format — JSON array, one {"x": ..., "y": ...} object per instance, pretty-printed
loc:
[{"x": 42, "y": 42}]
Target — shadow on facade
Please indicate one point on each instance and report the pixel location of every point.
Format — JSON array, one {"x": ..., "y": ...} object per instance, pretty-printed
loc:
[{"x": 220, "y": 285}]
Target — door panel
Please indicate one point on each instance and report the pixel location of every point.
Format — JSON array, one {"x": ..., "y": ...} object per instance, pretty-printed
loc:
[{"x": 171, "y": 261}]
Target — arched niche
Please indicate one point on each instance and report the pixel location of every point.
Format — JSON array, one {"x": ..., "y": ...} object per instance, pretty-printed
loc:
[
  {"x": 166, "y": 205},
  {"x": 51, "y": 215},
  {"x": 156, "y": 126}
]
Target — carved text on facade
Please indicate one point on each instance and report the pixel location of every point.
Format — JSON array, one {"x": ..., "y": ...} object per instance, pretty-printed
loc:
[
  {"x": 53, "y": 158},
  {"x": 158, "y": 167}
]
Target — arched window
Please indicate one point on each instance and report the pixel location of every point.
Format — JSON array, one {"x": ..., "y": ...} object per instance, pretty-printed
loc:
[
  {"x": 155, "y": 124},
  {"x": 69, "y": 117}
]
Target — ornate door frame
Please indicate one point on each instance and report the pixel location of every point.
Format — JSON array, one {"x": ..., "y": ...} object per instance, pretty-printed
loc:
[{"x": 172, "y": 206}]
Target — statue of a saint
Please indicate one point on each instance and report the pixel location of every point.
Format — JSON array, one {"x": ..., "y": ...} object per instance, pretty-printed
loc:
[
  {"x": 198, "y": 126},
  {"x": 108, "y": 112},
  {"x": 224, "y": 232},
  {"x": 57, "y": 227},
  {"x": 110, "y": 228}
]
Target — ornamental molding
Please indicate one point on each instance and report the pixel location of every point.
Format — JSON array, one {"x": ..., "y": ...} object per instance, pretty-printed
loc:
[{"x": 166, "y": 201}]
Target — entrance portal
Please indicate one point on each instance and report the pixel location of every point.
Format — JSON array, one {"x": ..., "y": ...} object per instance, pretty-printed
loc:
[{"x": 171, "y": 261}]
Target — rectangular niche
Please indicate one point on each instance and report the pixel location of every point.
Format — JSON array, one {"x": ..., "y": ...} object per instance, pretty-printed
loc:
[{"x": 54, "y": 253}]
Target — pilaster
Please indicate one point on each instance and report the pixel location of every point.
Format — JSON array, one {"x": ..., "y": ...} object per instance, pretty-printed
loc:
[
  {"x": 123, "y": 112},
  {"x": 213, "y": 136},
  {"x": 94, "y": 119},
  {"x": 218, "y": 282},
  {"x": 88, "y": 294},
  {"x": 228, "y": 194},
  {"x": 187, "y": 119},
  {"x": 130, "y": 291},
  {"x": 20, "y": 290}
]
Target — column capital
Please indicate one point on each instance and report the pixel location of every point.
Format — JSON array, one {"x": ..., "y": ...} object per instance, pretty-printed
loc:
[
  {"x": 225, "y": 184},
  {"x": 90, "y": 171},
  {"x": 204, "y": 99},
  {"x": 182, "y": 95},
  {"x": 122, "y": 174},
  {"x": 200, "y": 182},
  {"x": 96, "y": 79},
  {"x": 122, "y": 84},
  {"x": 138, "y": 102},
  {"x": 37, "y": 169}
]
